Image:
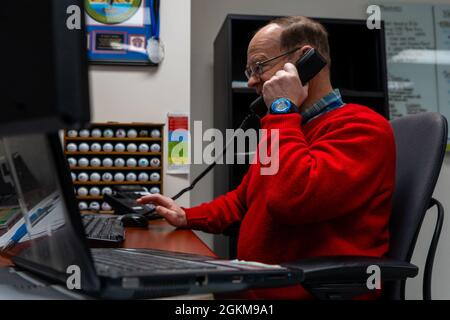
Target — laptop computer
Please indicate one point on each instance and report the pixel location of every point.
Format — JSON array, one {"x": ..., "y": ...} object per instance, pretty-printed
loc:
[{"x": 55, "y": 244}]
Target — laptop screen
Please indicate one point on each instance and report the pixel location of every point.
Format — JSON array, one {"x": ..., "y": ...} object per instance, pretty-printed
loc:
[{"x": 44, "y": 236}]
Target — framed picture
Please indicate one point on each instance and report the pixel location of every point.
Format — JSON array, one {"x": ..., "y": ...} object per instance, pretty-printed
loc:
[{"x": 119, "y": 31}]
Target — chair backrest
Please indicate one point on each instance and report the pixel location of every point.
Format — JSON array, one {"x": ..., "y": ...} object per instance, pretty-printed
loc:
[{"x": 420, "y": 142}]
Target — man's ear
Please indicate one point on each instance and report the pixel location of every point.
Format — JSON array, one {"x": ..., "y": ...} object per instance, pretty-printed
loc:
[
  {"x": 305, "y": 49},
  {"x": 301, "y": 52}
]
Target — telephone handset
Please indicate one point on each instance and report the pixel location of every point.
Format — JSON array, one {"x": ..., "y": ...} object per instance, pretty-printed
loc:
[{"x": 308, "y": 66}]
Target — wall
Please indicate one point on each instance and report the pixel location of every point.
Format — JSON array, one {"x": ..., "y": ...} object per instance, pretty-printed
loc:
[
  {"x": 146, "y": 94},
  {"x": 208, "y": 16}
]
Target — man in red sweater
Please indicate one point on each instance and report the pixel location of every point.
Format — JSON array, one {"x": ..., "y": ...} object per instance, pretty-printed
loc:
[{"x": 332, "y": 193}]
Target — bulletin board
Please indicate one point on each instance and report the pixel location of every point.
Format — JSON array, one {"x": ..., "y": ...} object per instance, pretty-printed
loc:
[{"x": 418, "y": 55}]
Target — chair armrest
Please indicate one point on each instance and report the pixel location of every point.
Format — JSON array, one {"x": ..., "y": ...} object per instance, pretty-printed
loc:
[
  {"x": 338, "y": 269},
  {"x": 345, "y": 277}
]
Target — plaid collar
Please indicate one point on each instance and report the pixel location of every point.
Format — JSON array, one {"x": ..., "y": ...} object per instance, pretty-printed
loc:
[{"x": 331, "y": 101}]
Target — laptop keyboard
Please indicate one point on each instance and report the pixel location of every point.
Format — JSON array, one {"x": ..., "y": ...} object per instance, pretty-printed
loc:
[
  {"x": 133, "y": 262},
  {"x": 103, "y": 228}
]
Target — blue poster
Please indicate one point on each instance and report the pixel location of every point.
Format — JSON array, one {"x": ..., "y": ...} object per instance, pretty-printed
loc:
[{"x": 119, "y": 31}]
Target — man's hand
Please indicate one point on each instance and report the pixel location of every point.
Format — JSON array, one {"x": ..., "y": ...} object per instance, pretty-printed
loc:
[
  {"x": 166, "y": 208},
  {"x": 285, "y": 84}
]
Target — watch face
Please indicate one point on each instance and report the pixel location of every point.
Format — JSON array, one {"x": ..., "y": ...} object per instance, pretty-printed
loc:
[
  {"x": 112, "y": 11},
  {"x": 281, "y": 106}
]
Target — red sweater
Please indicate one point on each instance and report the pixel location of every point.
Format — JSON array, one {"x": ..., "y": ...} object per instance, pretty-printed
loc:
[{"x": 331, "y": 196}]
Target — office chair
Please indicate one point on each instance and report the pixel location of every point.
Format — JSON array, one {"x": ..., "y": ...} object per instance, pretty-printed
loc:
[{"x": 420, "y": 142}]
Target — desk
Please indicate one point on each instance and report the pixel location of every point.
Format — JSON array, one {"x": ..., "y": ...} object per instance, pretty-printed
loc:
[
  {"x": 159, "y": 235},
  {"x": 163, "y": 236}
]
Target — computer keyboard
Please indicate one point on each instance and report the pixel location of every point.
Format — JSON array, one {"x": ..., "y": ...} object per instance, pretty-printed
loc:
[
  {"x": 103, "y": 228},
  {"x": 137, "y": 262}
]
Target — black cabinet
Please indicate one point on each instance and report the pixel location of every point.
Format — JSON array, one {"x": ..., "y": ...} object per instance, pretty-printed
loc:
[{"x": 358, "y": 69}]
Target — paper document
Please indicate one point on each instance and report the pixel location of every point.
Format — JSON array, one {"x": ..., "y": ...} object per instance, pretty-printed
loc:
[{"x": 53, "y": 220}]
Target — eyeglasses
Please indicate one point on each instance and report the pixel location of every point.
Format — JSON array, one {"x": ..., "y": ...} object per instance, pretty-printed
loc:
[{"x": 257, "y": 68}]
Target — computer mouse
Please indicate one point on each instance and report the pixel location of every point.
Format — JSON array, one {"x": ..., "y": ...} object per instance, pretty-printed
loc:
[{"x": 134, "y": 220}]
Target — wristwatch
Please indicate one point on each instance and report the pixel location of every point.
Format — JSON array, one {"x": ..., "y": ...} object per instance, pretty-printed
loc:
[{"x": 283, "y": 106}]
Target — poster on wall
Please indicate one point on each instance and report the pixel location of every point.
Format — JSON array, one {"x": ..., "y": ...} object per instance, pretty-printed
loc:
[
  {"x": 442, "y": 26},
  {"x": 411, "y": 58},
  {"x": 178, "y": 143},
  {"x": 122, "y": 31}
]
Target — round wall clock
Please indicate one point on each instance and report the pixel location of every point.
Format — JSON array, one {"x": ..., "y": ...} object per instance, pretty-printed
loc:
[{"x": 112, "y": 11}]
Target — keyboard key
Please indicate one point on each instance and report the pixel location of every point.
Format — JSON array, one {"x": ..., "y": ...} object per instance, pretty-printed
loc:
[
  {"x": 103, "y": 228},
  {"x": 130, "y": 262}
]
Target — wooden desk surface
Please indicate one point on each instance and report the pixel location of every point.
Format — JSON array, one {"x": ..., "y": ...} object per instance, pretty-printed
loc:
[
  {"x": 159, "y": 235},
  {"x": 163, "y": 236}
]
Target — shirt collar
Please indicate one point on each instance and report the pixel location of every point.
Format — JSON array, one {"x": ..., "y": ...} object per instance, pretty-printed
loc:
[{"x": 331, "y": 101}]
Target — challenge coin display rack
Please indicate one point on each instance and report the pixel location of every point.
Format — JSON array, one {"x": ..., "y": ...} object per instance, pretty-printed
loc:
[{"x": 110, "y": 154}]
